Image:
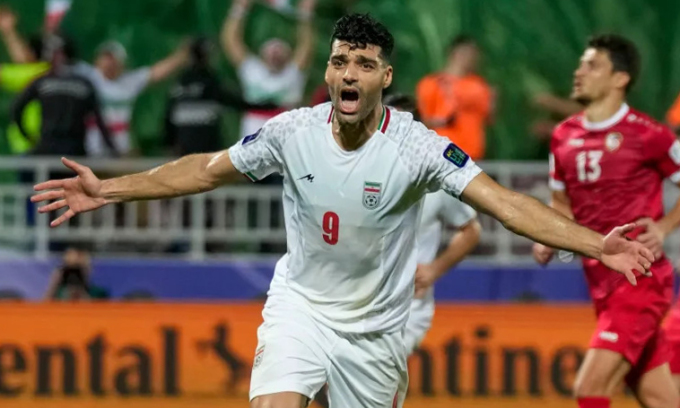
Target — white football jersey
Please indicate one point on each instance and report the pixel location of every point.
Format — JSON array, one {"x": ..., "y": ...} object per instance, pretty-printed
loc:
[
  {"x": 351, "y": 216},
  {"x": 439, "y": 210}
]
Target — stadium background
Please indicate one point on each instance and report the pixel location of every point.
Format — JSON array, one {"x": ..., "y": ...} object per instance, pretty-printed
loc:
[{"x": 488, "y": 346}]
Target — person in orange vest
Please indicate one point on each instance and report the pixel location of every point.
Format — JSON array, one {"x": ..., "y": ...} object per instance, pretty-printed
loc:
[
  {"x": 673, "y": 116},
  {"x": 456, "y": 102}
]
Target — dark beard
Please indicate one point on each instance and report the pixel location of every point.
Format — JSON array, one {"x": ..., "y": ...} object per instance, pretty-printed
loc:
[{"x": 583, "y": 100}]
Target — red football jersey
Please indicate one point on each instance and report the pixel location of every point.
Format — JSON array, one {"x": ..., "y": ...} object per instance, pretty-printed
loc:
[{"x": 612, "y": 172}]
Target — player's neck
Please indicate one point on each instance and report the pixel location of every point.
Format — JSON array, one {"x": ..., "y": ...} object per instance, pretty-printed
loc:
[
  {"x": 352, "y": 136},
  {"x": 604, "y": 109}
]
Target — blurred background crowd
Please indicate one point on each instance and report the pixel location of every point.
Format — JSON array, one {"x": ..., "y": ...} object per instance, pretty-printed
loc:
[
  {"x": 125, "y": 85},
  {"x": 176, "y": 77}
]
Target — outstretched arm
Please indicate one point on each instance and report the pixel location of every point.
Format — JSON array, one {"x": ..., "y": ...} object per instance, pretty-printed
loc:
[
  {"x": 255, "y": 156},
  {"x": 169, "y": 65},
  {"x": 189, "y": 175},
  {"x": 529, "y": 217},
  {"x": 560, "y": 202},
  {"x": 232, "y": 33}
]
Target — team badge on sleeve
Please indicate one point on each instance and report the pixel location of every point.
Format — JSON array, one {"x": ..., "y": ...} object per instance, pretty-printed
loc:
[
  {"x": 372, "y": 193},
  {"x": 456, "y": 155},
  {"x": 251, "y": 138}
]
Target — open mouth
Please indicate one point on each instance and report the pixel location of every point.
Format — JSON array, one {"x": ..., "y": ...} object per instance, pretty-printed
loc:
[{"x": 349, "y": 101}]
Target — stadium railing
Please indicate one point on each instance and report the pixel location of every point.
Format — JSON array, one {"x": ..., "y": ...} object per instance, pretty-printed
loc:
[{"x": 239, "y": 219}]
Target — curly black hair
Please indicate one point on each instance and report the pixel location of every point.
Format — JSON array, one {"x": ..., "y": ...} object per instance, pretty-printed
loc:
[
  {"x": 622, "y": 52},
  {"x": 361, "y": 30}
]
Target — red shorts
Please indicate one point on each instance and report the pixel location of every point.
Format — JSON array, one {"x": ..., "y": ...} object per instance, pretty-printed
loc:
[
  {"x": 672, "y": 326},
  {"x": 629, "y": 321}
]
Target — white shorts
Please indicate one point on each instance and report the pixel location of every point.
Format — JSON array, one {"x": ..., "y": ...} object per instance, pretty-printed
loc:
[
  {"x": 295, "y": 353},
  {"x": 418, "y": 323}
]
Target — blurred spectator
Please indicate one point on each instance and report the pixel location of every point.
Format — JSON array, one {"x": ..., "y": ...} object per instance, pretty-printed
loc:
[
  {"x": 403, "y": 103},
  {"x": 320, "y": 95},
  {"x": 278, "y": 73},
  {"x": 457, "y": 102},
  {"x": 119, "y": 89},
  {"x": 10, "y": 295},
  {"x": 15, "y": 77},
  {"x": 194, "y": 112},
  {"x": 558, "y": 108},
  {"x": 71, "y": 281},
  {"x": 67, "y": 100},
  {"x": 673, "y": 116}
]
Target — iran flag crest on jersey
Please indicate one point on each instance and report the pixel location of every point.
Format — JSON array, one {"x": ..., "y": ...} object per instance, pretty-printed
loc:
[{"x": 372, "y": 192}]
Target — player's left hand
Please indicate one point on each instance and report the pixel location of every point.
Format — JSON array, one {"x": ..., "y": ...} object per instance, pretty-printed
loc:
[
  {"x": 625, "y": 256},
  {"x": 426, "y": 274},
  {"x": 653, "y": 236}
]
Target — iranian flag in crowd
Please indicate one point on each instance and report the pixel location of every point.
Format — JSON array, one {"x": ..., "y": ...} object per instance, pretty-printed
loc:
[
  {"x": 54, "y": 12},
  {"x": 282, "y": 6}
]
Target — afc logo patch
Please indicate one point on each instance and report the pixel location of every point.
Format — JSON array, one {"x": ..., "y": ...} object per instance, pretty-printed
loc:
[
  {"x": 456, "y": 155},
  {"x": 251, "y": 138}
]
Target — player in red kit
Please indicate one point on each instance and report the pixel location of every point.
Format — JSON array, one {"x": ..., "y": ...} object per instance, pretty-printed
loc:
[
  {"x": 607, "y": 165},
  {"x": 673, "y": 336}
]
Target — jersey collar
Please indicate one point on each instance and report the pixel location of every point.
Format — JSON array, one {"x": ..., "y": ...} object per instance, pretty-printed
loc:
[
  {"x": 384, "y": 120},
  {"x": 607, "y": 123}
]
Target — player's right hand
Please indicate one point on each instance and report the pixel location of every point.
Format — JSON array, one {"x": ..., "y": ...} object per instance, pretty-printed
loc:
[
  {"x": 542, "y": 254},
  {"x": 80, "y": 194}
]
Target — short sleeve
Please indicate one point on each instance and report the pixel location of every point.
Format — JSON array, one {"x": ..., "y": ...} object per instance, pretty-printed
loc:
[
  {"x": 664, "y": 153},
  {"x": 259, "y": 154},
  {"x": 556, "y": 180},
  {"x": 455, "y": 212},
  {"x": 436, "y": 163}
]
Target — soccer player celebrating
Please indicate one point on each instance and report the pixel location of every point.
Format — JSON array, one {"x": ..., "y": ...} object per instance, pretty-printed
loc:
[
  {"x": 607, "y": 167},
  {"x": 354, "y": 175}
]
